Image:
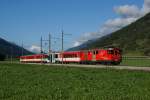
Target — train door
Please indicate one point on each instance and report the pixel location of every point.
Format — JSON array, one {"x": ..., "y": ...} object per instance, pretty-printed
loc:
[
  {"x": 50, "y": 58},
  {"x": 53, "y": 58},
  {"x": 89, "y": 55},
  {"x": 86, "y": 56},
  {"x": 95, "y": 52},
  {"x": 56, "y": 58}
]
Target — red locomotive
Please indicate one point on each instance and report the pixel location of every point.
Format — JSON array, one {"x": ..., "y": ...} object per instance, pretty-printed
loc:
[
  {"x": 105, "y": 56},
  {"x": 95, "y": 56}
]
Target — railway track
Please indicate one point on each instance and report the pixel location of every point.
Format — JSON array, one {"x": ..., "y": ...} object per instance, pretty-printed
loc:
[
  {"x": 134, "y": 68},
  {"x": 104, "y": 66}
]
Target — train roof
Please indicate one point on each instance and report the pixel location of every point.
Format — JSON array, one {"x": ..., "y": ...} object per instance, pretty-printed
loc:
[
  {"x": 34, "y": 55},
  {"x": 105, "y": 48}
]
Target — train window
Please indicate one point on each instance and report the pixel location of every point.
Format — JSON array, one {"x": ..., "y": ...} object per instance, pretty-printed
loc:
[
  {"x": 110, "y": 52},
  {"x": 49, "y": 57},
  {"x": 116, "y": 52},
  {"x": 65, "y": 56},
  {"x": 75, "y": 55},
  {"x": 56, "y": 56},
  {"x": 95, "y": 52},
  {"x": 70, "y": 55}
]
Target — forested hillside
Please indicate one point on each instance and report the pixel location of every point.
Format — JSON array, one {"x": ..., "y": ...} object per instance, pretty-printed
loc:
[
  {"x": 10, "y": 49},
  {"x": 133, "y": 39}
]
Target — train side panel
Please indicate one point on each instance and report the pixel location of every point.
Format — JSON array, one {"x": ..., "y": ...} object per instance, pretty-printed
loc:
[{"x": 34, "y": 58}]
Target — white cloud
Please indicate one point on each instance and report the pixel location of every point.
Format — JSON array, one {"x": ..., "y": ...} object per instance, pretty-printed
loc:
[
  {"x": 85, "y": 37},
  {"x": 113, "y": 25},
  {"x": 77, "y": 43},
  {"x": 34, "y": 48},
  {"x": 146, "y": 6},
  {"x": 128, "y": 11},
  {"x": 127, "y": 15}
]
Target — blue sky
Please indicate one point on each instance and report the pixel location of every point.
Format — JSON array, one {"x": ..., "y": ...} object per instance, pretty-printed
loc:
[{"x": 28, "y": 20}]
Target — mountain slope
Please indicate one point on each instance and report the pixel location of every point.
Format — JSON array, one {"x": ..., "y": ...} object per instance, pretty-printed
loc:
[
  {"x": 132, "y": 39},
  {"x": 82, "y": 46},
  {"x": 7, "y": 49}
]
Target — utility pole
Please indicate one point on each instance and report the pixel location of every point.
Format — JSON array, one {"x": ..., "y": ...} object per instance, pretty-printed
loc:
[
  {"x": 41, "y": 51},
  {"x": 49, "y": 43},
  {"x": 11, "y": 54},
  {"x": 62, "y": 45},
  {"x": 49, "y": 51},
  {"x": 41, "y": 46},
  {"x": 22, "y": 49}
]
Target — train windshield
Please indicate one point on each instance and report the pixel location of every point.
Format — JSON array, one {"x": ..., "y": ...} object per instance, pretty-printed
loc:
[
  {"x": 110, "y": 51},
  {"x": 114, "y": 51}
]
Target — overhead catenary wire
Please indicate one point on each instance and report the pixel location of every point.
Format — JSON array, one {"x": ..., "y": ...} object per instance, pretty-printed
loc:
[
  {"x": 62, "y": 33},
  {"x": 51, "y": 43}
]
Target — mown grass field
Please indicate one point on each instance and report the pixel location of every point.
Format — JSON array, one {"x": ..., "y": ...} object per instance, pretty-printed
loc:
[
  {"x": 39, "y": 82},
  {"x": 136, "y": 62}
]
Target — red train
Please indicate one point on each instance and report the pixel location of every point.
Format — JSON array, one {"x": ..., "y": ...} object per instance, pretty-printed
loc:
[{"x": 95, "y": 56}]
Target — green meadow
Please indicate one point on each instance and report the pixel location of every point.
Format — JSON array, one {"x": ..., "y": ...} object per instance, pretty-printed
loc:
[
  {"x": 136, "y": 62},
  {"x": 41, "y": 82}
]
